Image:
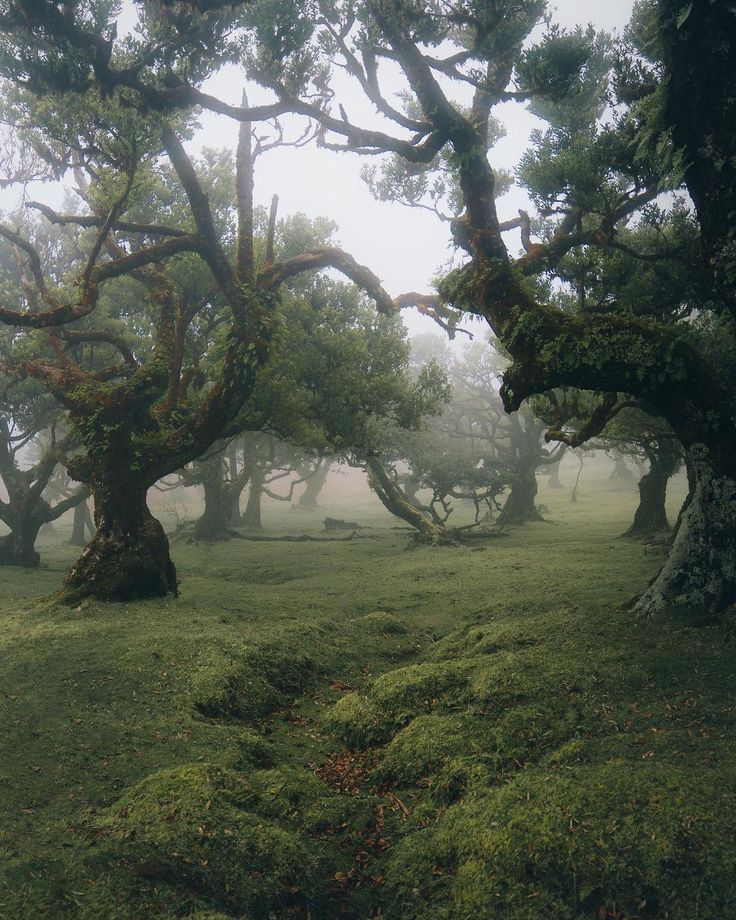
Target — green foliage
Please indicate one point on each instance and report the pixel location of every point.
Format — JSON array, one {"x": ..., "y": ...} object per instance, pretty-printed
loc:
[
  {"x": 567, "y": 74},
  {"x": 340, "y": 374},
  {"x": 202, "y": 827}
]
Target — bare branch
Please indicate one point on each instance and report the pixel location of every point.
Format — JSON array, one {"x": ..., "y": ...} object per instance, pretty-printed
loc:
[
  {"x": 90, "y": 220},
  {"x": 330, "y": 257}
]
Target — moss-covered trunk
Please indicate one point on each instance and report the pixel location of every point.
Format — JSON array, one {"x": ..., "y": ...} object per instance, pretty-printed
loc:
[
  {"x": 128, "y": 557},
  {"x": 699, "y": 573},
  {"x": 394, "y": 500},
  {"x": 520, "y": 505}
]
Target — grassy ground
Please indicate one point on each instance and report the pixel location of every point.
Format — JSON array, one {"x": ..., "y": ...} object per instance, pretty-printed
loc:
[{"x": 363, "y": 730}]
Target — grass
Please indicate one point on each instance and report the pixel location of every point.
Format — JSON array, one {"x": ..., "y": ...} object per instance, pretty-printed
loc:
[{"x": 360, "y": 729}]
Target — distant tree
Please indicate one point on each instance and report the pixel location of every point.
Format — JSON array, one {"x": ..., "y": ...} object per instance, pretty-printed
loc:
[
  {"x": 26, "y": 509},
  {"x": 515, "y": 441},
  {"x": 636, "y": 434},
  {"x": 313, "y": 473}
]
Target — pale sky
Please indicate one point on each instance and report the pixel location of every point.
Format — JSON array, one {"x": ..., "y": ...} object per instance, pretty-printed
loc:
[{"x": 405, "y": 247}]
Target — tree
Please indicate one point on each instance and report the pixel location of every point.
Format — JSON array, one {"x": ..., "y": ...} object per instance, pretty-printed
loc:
[
  {"x": 513, "y": 442},
  {"x": 670, "y": 96},
  {"x": 342, "y": 384},
  {"x": 27, "y": 509},
  {"x": 314, "y": 475},
  {"x": 636, "y": 434},
  {"x": 197, "y": 346}
]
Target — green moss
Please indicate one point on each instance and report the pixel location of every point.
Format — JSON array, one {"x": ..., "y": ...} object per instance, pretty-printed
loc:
[
  {"x": 393, "y": 700},
  {"x": 425, "y": 746},
  {"x": 531, "y": 700},
  {"x": 646, "y": 841},
  {"x": 201, "y": 826},
  {"x": 261, "y": 677},
  {"x": 381, "y": 623}
]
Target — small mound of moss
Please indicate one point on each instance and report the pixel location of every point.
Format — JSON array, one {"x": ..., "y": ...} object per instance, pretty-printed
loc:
[
  {"x": 262, "y": 677},
  {"x": 252, "y": 750},
  {"x": 627, "y": 839},
  {"x": 425, "y": 746},
  {"x": 202, "y": 827},
  {"x": 380, "y": 623},
  {"x": 486, "y": 639},
  {"x": 393, "y": 700}
]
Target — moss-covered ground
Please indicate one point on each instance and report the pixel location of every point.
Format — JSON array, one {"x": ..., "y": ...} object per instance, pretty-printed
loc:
[{"x": 357, "y": 729}]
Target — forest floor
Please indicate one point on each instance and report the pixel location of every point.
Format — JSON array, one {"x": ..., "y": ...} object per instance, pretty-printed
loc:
[{"x": 362, "y": 729}]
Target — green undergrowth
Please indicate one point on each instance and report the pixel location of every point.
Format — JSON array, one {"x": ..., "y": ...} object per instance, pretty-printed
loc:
[
  {"x": 363, "y": 730},
  {"x": 571, "y": 764}
]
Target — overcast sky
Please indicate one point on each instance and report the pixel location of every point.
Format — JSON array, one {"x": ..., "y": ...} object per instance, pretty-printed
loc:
[{"x": 403, "y": 246}]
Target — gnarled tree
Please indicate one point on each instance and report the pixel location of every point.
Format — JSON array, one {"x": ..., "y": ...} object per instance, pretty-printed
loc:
[{"x": 668, "y": 104}]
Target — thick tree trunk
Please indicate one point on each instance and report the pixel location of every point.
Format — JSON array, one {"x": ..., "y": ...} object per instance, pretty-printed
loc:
[
  {"x": 651, "y": 515},
  {"x": 128, "y": 557},
  {"x": 554, "y": 476},
  {"x": 700, "y": 571},
  {"x": 520, "y": 506},
  {"x": 213, "y": 525},
  {"x": 394, "y": 500},
  {"x": 231, "y": 502},
  {"x": 314, "y": 485},
  {"x": 18, "y": 547},
  {"x": 252, "y": 513}
]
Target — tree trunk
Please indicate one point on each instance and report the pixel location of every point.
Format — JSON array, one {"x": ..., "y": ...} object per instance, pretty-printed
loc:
[
  {"x": 252, "y": 513},
  {"x": 620, "y": 470},
  {"x": 520, "y": 506},
  {"x": 128, "y": 557},
  {"x": 651, "y": 515},
  {"x": 81, "y": 525},
  {"x": 314, "y": 485},
  {"x": 699, "y": 573},
  {"x": 212, "y": 526},
  {"x": 394, "y": 500},
  {"x": 554, "y": 476},
  {"x": 18, "y": 547},
  {"x": 231, "y": 502}
]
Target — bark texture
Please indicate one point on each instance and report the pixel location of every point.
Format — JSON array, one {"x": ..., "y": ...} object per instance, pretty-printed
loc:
[
  {"x": 700, "y": 571},
  {"x": 128, "y": 558}
]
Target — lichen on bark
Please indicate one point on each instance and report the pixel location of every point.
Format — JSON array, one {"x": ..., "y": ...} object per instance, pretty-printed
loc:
[{"x": 699, "y": 574}]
